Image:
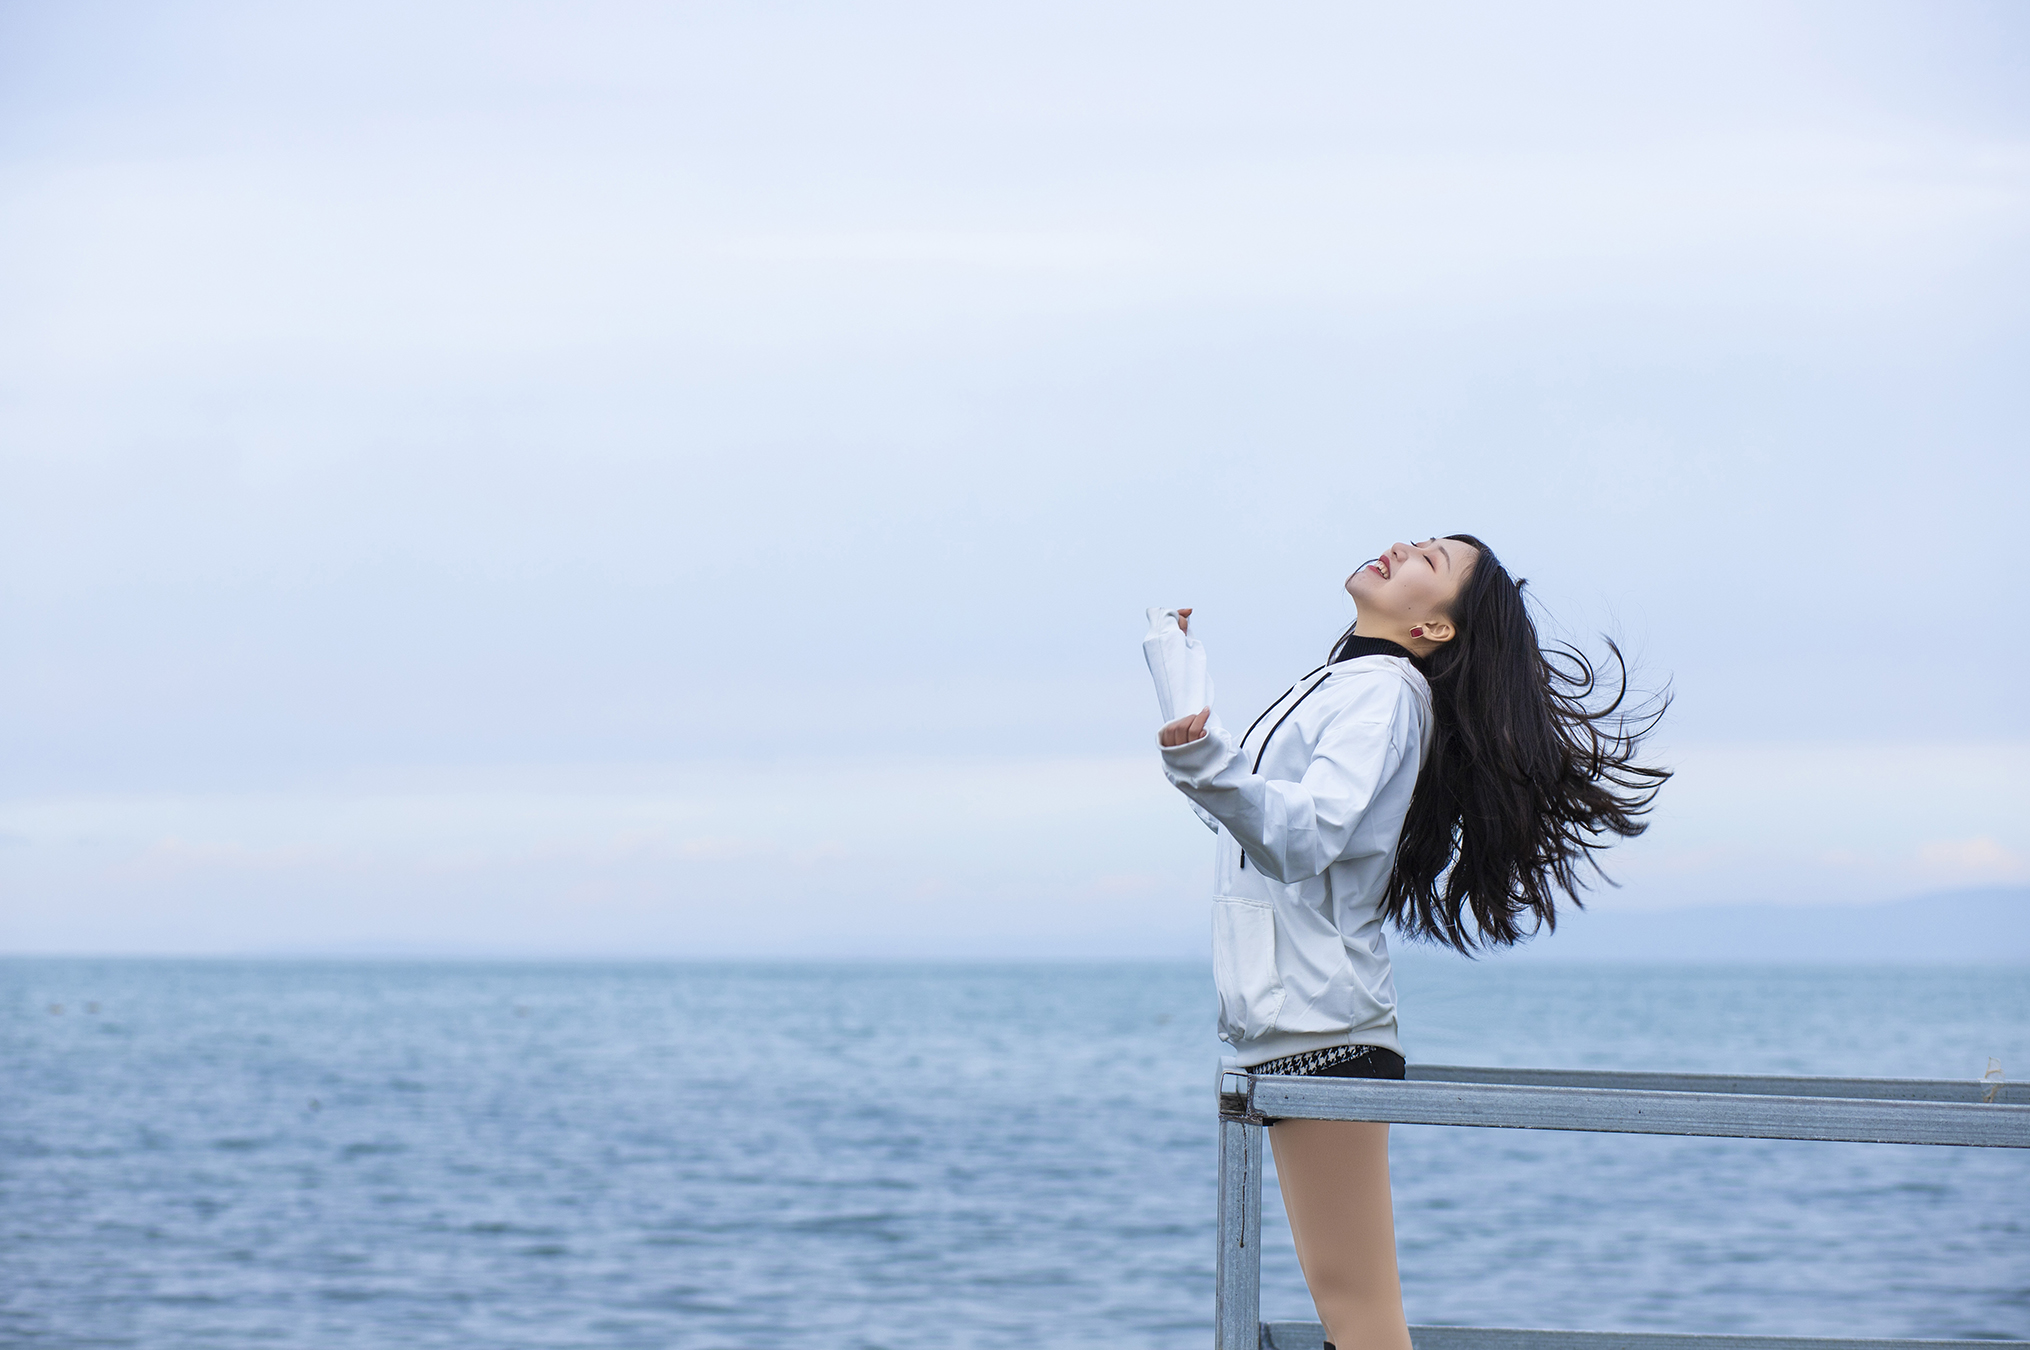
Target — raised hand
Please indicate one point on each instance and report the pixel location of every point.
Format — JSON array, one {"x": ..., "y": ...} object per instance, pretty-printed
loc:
[{"x": 1184, "y": 730}]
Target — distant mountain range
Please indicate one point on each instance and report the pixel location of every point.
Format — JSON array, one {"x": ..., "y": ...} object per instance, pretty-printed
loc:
[{"x": 1989, "y": 926}]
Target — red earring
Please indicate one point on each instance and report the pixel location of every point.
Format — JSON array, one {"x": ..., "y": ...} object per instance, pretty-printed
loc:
[{"x": 1416, "y": 632}]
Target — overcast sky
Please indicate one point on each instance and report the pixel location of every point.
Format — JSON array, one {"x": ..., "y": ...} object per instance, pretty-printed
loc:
[{"x": 640, "y": 478}]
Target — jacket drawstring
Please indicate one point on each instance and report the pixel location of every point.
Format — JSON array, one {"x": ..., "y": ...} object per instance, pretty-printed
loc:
[{"x": 1263, "y": 748}]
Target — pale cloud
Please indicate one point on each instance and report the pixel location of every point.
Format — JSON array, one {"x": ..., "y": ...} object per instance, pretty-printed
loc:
[
  {"x": 1977, "y": 859},
  {"x": 1826, "y": 823},
  {"x": 1062, "y": 857},
  {"x": 193, "y": 266},
  {"x": 919, "y": 857}
]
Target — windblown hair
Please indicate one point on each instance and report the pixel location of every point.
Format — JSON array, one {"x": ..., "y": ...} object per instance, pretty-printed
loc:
[{"x": 1531, "y": 772}]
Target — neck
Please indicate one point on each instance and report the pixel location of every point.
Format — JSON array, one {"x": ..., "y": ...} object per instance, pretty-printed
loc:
[
  {"x": 1357, "y": 644},
  {"x": 1392, "y": 632}
]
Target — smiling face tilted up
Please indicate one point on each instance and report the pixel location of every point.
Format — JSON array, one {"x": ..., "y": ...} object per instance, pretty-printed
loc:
[{"x": 1406, "y": 594}]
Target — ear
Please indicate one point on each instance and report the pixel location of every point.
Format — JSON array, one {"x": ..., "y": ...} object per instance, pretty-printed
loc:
[{"x": 1439, "y": 630}]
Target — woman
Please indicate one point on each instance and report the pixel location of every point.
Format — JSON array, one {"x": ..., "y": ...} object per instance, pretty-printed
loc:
[{"x": 1442, "y": 773}]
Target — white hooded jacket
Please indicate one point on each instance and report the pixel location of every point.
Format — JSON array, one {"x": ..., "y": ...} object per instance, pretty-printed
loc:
[{"x": 1308, "y": 806}]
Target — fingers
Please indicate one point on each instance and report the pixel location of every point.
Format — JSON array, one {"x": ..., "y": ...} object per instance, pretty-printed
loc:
[
  {"x": 1184, "y": 621},
  {"x": 1184, "y": 730}
]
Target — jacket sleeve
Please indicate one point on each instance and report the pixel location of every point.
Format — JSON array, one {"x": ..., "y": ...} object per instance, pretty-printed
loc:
[
  {"x": 1177, "y": 665},
  {"x": 1294, "y": 831}
]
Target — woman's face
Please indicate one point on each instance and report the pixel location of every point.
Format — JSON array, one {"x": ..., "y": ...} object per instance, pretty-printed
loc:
[{"x": 1411, "y": 583}]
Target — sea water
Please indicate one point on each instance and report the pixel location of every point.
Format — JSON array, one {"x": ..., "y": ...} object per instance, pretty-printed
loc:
[{"x": 407, "y": 1154}]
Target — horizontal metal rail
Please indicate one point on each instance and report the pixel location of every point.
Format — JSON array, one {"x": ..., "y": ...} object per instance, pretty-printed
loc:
[
  {"x": 1743, "y": 1106},
  {"x": 1635, "y": 1111},
  {"x": 1759, "y": 1085},
  {"x": 1311, "y": 1336}
]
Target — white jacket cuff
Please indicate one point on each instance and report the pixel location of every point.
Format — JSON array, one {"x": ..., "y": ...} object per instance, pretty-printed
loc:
[{"x": 1196, "y": 763}]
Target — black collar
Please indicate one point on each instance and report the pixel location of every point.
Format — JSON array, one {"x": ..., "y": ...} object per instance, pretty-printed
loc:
[{"x": 1356, "y": 645}]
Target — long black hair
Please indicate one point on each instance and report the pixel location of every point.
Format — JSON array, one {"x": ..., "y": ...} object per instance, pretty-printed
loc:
[{"x": 1531, "y": 772}]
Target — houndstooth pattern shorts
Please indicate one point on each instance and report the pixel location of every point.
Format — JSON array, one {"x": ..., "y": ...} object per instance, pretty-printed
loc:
[{"x": 1384, "y": 1063}]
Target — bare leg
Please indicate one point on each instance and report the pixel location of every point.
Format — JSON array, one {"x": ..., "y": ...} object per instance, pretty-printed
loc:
[{"x": 1335, "y": 1180}]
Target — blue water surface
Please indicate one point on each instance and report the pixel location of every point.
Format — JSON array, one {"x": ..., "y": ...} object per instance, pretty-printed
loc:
[{"x": 410, "y": 1154}]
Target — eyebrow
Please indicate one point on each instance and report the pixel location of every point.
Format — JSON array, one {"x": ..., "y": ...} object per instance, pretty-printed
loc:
[{"x": 1447, "y": 552}]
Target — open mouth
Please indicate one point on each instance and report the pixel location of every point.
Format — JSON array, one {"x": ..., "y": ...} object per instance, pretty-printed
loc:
[{"x": 1380, "y": 566}]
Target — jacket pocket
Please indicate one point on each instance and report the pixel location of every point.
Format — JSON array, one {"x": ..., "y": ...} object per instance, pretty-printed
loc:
[{"x": 1244, "y": 968}]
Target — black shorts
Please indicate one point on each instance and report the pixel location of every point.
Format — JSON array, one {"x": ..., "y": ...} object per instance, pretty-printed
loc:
[{"x": 1340, "y": 1061}]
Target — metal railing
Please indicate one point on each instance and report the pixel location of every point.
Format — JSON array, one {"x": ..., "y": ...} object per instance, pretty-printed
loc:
[{"x": 1982, "y": 1114}]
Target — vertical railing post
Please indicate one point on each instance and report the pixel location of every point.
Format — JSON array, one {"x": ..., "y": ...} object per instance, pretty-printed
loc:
[{"x": 1237, "y": 1301}]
